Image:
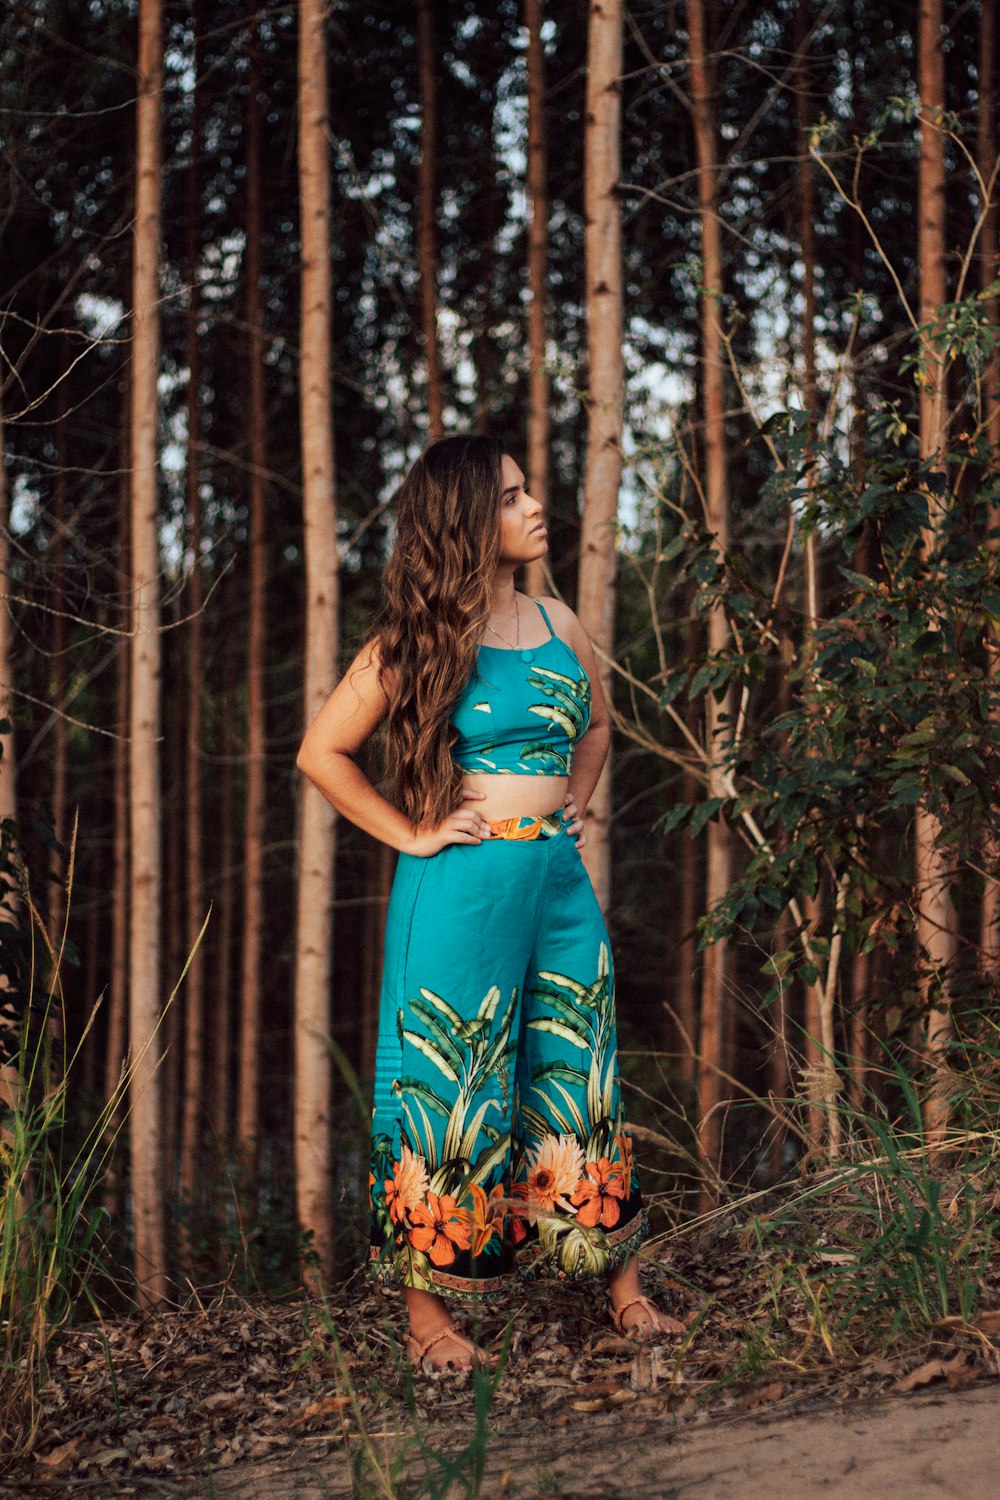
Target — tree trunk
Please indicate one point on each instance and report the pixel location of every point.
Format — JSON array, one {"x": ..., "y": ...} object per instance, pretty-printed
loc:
[
  {"x": 862, "y": 967},
  {"x": 537, "y": 576},
  {"x": 222, "y": 1027},
  {"x": 484, "y": 357},
  {"x": 144, "y": 718},
  {"x": 317, "y": 825},
  {"x": 116, "y": 1038},
  {"x": 936, "y": 919},
  {"x": 10, "y": 1018},
  {"x": 779, "y": 1072},
  {"x": 60, "y": 777},
  {"x": 248, "y": 1131},
  {"x": 192, "y": 1109},
  {"x": 989, "y": 916},
  {"x": 718, "y": 715},
  {"x": 602, "y": 475},
  {"x": 822, "y": 1120},
  {"x": 427, "y": 246},
  {"x": 172, "y": 945},
  {"x": 686, "y": 961}
]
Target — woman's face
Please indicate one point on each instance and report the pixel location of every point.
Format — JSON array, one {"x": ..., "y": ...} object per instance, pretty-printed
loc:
[{"x": 523, "y": 536}]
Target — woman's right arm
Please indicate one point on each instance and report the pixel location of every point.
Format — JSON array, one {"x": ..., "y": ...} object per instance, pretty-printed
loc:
[{"x": 347, "y": 719}]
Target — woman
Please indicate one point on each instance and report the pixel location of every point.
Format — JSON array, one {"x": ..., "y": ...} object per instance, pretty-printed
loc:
[{"x": 497, "y": 1131}]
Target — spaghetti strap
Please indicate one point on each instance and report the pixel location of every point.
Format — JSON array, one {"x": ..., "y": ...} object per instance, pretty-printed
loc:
[{"x": 546, "y": 618}]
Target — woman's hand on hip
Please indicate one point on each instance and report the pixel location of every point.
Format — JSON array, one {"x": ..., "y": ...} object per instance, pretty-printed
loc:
[
  {"x": 573, "y": 821},
  {"x": 466, "y": 825}
]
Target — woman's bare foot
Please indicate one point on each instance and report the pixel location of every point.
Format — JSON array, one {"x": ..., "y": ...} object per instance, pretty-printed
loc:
[
  {"x": 633, "y": 1314},
  {"x": 434, "y": 1337}
]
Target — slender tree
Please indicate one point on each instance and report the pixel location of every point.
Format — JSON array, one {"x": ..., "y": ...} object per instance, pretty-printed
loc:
[
  {"x": 861, "y": 964},
  {"x": 248, "y": 1130},
  {"x": 192, "y": 1106},
  {"x": 818, "y": 1039},
  {"x": 685, "y": 992},
  {"x": 713, "y": 1027},
  {"x": 223, "y": 1024},
  {"x": 59, "y": 646},
  {"x": 9, "y": 1015},
  {"x": 317, "y": 823},
  {"x": 989, "y": 933},
  {"x": 602, "y": 476},
  {"x": 427, "y": 242},
  {"x": 936, "y": 919},
  {"x": 117, "y": 1001},
  {"x": 144, "y": 717},
  {"x": 537, "y": 575}
]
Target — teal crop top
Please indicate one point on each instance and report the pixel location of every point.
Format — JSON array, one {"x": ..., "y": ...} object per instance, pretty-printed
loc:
[{"x": 522, "y": 712}]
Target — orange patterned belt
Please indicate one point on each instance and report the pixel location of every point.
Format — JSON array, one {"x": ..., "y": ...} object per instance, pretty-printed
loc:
[{"x": 526, "y": 827}]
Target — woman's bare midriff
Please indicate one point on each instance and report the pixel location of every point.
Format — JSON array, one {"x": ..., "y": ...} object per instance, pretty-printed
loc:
[{"x": 507, "y": 796}]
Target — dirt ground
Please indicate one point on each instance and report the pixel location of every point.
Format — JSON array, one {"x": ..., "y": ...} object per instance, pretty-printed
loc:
[
  {"x": 241, "y": 1400},
  {"x": 923, "y": 1447}
]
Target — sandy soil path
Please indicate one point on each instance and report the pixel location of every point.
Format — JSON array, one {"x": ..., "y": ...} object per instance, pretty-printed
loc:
[{"x": 942, "y": 1446}]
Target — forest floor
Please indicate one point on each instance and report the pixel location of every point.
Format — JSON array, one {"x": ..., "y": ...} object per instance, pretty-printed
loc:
[{"x": 767, "y": 1394}]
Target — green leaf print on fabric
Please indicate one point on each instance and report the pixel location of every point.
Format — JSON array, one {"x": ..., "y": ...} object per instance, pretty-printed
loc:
[
  {"x": 577, "y": 1179},
  {"x": 469, "y": 1054},
  {"x": 429, "y": 1050},
  {"x": 537, "y": 750},
  {"x": 570, "y": 706},
  {"x": 569, "y": 711}
]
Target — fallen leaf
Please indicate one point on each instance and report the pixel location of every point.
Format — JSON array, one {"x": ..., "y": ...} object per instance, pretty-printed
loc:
[
  {"x": 65, "y": 1453},
  {"x": 987, "y": 1322},
  {"x": 320, "y": 1408},
  {"x": 602, "y": 1403},
  {"x": 957, "y": 1372},
  {"x": 220, "y": 1401},
  {"x": 769, "y": 1393},
  {"x": 109, "y": 1456},
  {"x": 643, "y": 1372},
  {"x": 162, "y": 1457},
  {"x": 612, "y": 1343}
]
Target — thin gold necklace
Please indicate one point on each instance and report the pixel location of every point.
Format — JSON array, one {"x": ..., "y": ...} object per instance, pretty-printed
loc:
[{"x": 516, "y": 642}]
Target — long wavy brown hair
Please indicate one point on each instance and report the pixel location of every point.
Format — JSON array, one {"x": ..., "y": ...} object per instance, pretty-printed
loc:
[{"x": 438, "y": 591}]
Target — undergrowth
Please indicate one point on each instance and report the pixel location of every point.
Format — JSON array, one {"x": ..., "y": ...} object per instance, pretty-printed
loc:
[{"x": 51, "y": 1229}]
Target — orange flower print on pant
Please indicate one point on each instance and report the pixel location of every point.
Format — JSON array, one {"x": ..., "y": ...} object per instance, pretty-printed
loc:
[
  {"x": 487, "y": 1215},
  {"x": 598, "y": 1195},
  {"x": 553, "y": 1171},
  {"x": 627, "y": 1163},
  {"x": 408, "y": 1185},
  {"x": 439, "y": 1228}
]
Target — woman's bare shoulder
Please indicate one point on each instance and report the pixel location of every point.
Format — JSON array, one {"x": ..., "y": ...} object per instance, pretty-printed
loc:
[{"x": 564, "y": 622}]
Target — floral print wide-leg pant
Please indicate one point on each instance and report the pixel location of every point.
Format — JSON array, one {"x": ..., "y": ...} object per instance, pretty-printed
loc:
[{"x": 497, "y": 1134}]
